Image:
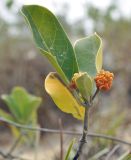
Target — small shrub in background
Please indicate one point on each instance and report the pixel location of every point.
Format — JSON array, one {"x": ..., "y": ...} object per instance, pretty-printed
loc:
[{"x": 23, "y": 110}]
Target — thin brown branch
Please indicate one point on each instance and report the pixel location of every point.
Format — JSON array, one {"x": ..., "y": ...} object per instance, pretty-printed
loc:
[
  {"x": 84, "y": 135},
  {"x": 96, "y": 92},
  {"x": 61, "y": 140},
  {"x": 9, "y": 156},
  {"x": 15, "y": 145},
  {"x": 93, "y": 135}
]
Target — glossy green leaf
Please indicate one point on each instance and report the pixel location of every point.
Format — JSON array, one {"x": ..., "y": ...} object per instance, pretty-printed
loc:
[
  {"x": 69, "y": 150},
  {"x": 89, "y": 54},
  {"x": 51, "y": 39},
  {"x": 22, "y": 104},
  {"x": 85, "y": 85}
]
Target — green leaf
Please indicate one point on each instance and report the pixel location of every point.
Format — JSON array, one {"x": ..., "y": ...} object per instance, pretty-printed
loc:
[
  {"x": 51, "y": 39},
  {"x": 26, "y": 103},
  {"x": 85, "y": 85},
  {"x": 12, "y": 105},
  {"x": 54, "y": 62},
  {"x": 89, "y": 54},
  {"x": 6, "y": 115},
  {"x": 69, "y": 150},
  {"x": 22, "y": 104}
]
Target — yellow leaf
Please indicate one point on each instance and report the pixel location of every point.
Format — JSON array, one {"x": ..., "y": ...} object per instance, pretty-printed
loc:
[
  {"x": 62, "y": 96},
  {"x": 99, "y": 56}
]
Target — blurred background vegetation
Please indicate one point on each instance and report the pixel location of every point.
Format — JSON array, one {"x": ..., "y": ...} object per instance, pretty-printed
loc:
[{"x": 22, "y": 65}]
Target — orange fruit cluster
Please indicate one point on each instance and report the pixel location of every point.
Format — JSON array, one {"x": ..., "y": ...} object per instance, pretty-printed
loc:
[{"x": 104, "y": 80}]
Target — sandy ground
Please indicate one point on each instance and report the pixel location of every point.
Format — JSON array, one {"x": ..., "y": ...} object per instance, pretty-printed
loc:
[{"x": 49, "y": 147}]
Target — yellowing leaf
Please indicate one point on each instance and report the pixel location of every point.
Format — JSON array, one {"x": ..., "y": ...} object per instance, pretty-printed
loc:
[
  {"x": 99, "y": 56},
  {"x": 62, "y": 96}
]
